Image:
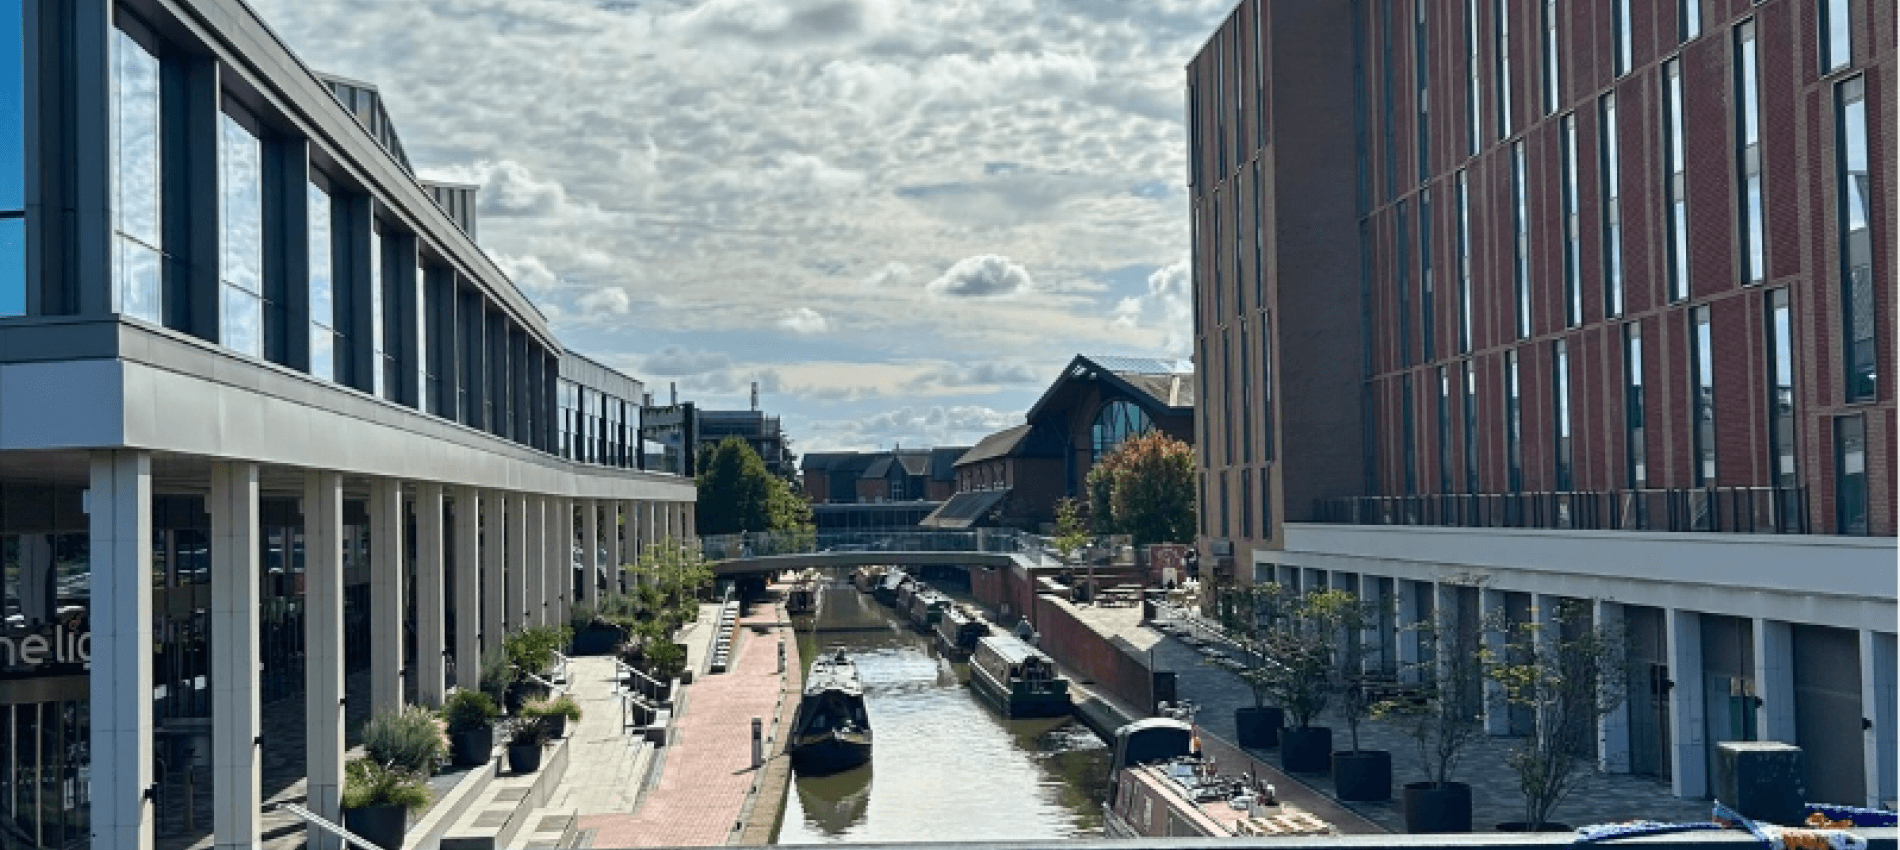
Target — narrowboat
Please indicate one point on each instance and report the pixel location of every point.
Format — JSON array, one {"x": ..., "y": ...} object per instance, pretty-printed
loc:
[
  {"x": 830, "y": 731},
  {"x": 866, "y": 579},
  {"x": 906, "y": 590},
  {"x": 926, "y": 608},
  {"x": 886, "y": 591},
  {"x": 802, "y": 598},
  {"x": 1159, "y": 786},
  {"x": 958, "y": 631},
  {"x": 1016, "y": 679}
]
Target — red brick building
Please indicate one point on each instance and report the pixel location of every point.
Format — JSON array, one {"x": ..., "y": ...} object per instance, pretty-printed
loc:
[{"x": 1596, "y": 299}]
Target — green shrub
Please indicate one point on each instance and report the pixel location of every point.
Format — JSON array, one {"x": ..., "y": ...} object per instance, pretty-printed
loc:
[
  {"x": 665, "y": 659},
  {"x": 409, "y": 739},
  {"x": 467, "y": 711},
  {"x": 367, "y": 784},
  {"x": 529, "y": 731},
  {"x": 498, "y": 674},
  {"x": 565, "y": 706}
]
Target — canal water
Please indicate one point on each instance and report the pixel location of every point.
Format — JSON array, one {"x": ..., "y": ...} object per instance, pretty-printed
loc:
[{"x": 944, "y": 767}]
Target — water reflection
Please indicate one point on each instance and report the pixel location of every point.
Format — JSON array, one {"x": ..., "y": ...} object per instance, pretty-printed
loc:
[{"x": 945, "y": 766}]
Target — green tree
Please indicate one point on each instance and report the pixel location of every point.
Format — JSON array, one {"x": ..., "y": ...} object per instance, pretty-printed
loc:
[
  {"x": 736, "y": 494},
  {"x": 1145, "y": 489}
]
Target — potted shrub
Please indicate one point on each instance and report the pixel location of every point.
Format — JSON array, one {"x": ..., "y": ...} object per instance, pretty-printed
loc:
[
  {"x": 1443, "y": 716},
  {"x": 665, "y": 660},
  {"x": 1358, "y": 775},
  {"x": 1252, "y": 613},
  {"x": 409, "y": 740},
  {"x": 555, "y": 713},
  {"x": 470, "y": 717},
  {"x": 526, "y": 739},
  {"x": 1568, "y": 673},
  {"x": 377, "y": 800},
  {"x": 1299, "y": 671}
]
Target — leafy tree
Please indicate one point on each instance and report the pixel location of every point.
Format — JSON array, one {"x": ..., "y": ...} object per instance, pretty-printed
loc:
[
  {"x": 1145, "y": 489},
  {"x": 737, "y": 493}
]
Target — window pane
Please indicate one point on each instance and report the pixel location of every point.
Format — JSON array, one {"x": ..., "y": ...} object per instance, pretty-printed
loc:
[
  {"x": 241, "y": 321},
  {"x": 322, "y": 354},
  {"x": 1702, "y": 402},
  {"x": 1850, "y": 473},
  {"x": 140, "y": 281},
  {"x": 1837, "y": 41},
  {"x": 243, "y": 194},
  {"x": 1857, "y": 274},
  {"x": 135, "y": 109},
  {"x": 12, "y": 266},
  {"x": 12, "y": 102},
  {"x": 322, "y": 281}
]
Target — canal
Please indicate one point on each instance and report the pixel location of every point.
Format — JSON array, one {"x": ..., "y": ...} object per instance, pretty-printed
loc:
[{"x": 943, "y": 766}]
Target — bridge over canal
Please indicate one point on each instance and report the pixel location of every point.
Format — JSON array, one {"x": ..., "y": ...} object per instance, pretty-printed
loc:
[{"x": 764, "y": 552}]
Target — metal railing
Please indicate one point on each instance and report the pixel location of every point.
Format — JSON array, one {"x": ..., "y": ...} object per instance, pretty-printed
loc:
[
  {"x": 761, "y": 544},
  {"x": 1753, "y": 510}
]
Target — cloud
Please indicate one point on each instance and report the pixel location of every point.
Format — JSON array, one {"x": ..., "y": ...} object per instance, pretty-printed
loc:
[
  {"x": 887, "y": 275},
  {"x": 675, "y": 360},
  {"x": 917, "y": 427},
  {"x": 607, "y": 299},
  {"x": 804, "y": 320},
  {"x": 967, "y": 376},
  {"x": 1167, "y": 309},
  {"x": 528, "y": 273},
  {"x": 982, "y": 276}
]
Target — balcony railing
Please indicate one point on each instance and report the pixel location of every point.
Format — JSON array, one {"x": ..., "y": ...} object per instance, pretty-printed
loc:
[{"x": 1751, "y": 510}]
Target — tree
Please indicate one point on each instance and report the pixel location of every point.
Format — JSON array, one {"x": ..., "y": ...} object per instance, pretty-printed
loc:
[
  {"x": 1147, "y": 485},
  {"x": 1445, "y": 715},
  {"x": 737, "y": 493}
]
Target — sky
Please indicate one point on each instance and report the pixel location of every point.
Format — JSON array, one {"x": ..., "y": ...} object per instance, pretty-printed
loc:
[{"x": 901, "y": 218}]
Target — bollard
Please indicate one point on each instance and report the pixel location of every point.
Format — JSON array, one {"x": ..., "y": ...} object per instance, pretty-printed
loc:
[
  {"x": 781, "y": 655},
  {"x": 758, "y": 743}
]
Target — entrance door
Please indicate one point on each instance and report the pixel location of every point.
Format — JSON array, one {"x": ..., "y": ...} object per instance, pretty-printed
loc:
[
  {"x": 1648, "y": 692},
  {"x": 1827, "y": 714},
  {"x": 43, "y": 766}
]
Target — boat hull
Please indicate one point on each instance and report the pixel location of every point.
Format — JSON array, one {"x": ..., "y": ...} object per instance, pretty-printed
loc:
[
  {"x": 1019, "y": 702},
  {"x": 832, "y": 753}
]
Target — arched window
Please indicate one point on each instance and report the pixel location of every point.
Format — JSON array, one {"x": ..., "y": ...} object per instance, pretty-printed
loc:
[{"x": 1117, "y": 421}]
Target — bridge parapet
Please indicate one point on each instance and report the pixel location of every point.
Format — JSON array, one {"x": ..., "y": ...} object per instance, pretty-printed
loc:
[{"x": 866, "y": 547}]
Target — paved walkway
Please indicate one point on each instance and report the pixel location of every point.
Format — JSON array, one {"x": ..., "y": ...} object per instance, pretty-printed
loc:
[
  {"x": 706, "y": 772},
  {"x": 1599, "y": 797},
  {"x": 604, "y": 764}
]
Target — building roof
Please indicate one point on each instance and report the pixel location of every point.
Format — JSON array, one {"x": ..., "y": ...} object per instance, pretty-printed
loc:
[
  {"x": 999, "y": 444},
  {"x": 943, "y": 462},
  {"x": 1164, "y": 387},
  {"x": 965, "y": 509},
  {"x": 914, "y": 462}
]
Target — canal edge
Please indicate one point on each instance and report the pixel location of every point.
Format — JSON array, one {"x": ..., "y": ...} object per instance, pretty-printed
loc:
[{"x": 763, "y": 811}]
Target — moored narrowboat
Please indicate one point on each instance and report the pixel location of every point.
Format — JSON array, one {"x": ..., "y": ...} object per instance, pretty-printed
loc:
[
  {"x": 886, "y": 591},
  {"x": 831, "y": 731},
  {"x": 1016, "y": 679},
  {"x": 926, "y": 608},
  {"x": 866, "y": 579},
  {"x": 958, "y": 631},
  {"x": 1160, "y": 787}
]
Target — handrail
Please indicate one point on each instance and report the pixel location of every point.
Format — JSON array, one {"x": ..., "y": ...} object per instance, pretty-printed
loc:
[
  {"x": 323, "y": 823},
  {"x": 559, "y": 689},
  {"x": 562, "y": 665}
]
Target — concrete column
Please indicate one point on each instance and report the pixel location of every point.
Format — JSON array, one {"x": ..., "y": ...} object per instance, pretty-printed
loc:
[
  {"x": 323, "y": 650},
  {"x": 536, "y": 587},
  {"x": 649, "y": 525},
  {"x": 1497, "y": 712},
  {"x": 119, "y": 505},
  {"x": 1445, "y": 618},
  {"x": 236, "y": 729},
  {"x": 1406, "y": 629},
  {"x": 1613, "y": 729},
  {"x": 1774, "y": 680},
  {"x": 385, "y": 594},
  {"x": 468, "y": 589},
  {"x": 432, "y": 649},
  {"x": 1877, "y": 695},
  {"x": 690, "y": 527},
  {"x": 560, "y": 575},
  {"x": 1688, "y": 763},
  {"x": 590, "y": 552},
  {"x": 613, "y": 529},
  {"x": 493, "y": 531},
  {"x": 519, "y": 616},
  {"x": 1372, "y": 641}
]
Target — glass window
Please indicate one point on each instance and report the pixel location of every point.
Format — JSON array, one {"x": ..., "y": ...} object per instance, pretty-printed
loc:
[
  {"x": 1748, "y": 131},
  {"x": 1470, "y": 427},
  {"x": 1513, "y": 424},
  {"x": 1428, "y": 310},
  {"x": 1837, "y": 34},
  {"x": 1225, "y": 529},
  {"x": 1464, "y": 263},
  {"x": 1266, "y": 388},
  {"x": 378, "y": 386},
  {"x": 1636, "y": 454},
  {"x": 1552, "y": 66},
  {"x": 1259, "y": 76},
  {"x": 12, "y": 266},
  {"x": 1408, "y": 430},
  {"x": 1573, "y": 289},
  {"x": 1421, "y": 75},
  {"x": 1620, "y": 24},
  {"x": 12, "y": 162},
  {"x": 1781, "y": 461},
  {"x": 1266, "y": 504},
  {"x": 1675, "y": 190},
  {"x": 423, "y": 373},
  {"x": 1246, "y": 505},
  {"x": 135, "y": 168},
  {"x": 1220, "y": 115},
  {"x": 1688, "y": 18},
  {"x": 322, "y": 286},
  {"x": 1116, "y": 421},
  {"x": 1702, "y": 396},
  {"x": 1850, "y": 473},
  {"x": 1561, "y": 393},
  {"x": 1259, "y": 243},
  {"x": 1475, "y": 114},
  {"x": 1857, "y": 249},
  {"x": 1503, "y": 10},
  {"x": 241, "y": 267},
  {"x": 1227, "y": 398},
  {"x": 1444, "y": 430},
  {"x": 1521, "y": 223},
  {"x": 1404, "y": 290},
  {"x": 1611, "y": 191},
  {"x": 1220, "y": 258},
  {"x": 1245, "y": 356}
]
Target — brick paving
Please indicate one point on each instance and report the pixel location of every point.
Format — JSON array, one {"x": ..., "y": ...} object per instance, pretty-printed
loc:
[
  {"x": 1599, "y": 797},
  {"x": 706, "y": 773}
]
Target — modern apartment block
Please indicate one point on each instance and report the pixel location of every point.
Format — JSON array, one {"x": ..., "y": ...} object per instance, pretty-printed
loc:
[
  {"x": 273, "y": 430},
  {"x": 1504, "y": 302}
]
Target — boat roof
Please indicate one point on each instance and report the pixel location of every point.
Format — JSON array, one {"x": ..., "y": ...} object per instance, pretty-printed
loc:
[
  {"x": 1148, "y": 723},
  {"x": 834, "y": 673},
  {"x": 1009, "y": 648}
]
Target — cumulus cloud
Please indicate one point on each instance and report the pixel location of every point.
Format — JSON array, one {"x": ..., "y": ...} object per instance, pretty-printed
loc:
[
  {"x": 1166, "y": 310},
  {"x": 804, "y": 320},
  {"x": 918, "y": 427},
  {"x": 678, "y": 360},
  {"x": 607, "y": 299},
  {"x": 982, "y": 276},
  {"x": 887, "y": 275},
  {"x": 528, "y": 273},
  {"x": 973, "y": 375}
]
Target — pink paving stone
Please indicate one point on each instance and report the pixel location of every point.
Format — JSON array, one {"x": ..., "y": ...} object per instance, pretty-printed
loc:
[{"x": 708, "y": 768}]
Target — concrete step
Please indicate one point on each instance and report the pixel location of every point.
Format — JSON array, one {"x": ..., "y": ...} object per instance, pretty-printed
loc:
[
  {"x": 548, "y": 828},
  {"x": 503, "y": 809}
]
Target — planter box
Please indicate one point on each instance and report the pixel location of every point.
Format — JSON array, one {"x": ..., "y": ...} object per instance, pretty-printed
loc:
[
  {"x": 1436, "y": 807},
  {"x": 1259, "y": 727},
  {"x": 381, "y": 825},
  {"x": 1306, "y": 749},
  {"x": 1362, "y": 775},
  {"x": 472, "y": 747}
]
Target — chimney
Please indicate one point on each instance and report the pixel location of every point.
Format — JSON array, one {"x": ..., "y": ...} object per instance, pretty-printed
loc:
[
  {"x": 755, "y": 395},
  {"x": 672, "y": 392}
]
